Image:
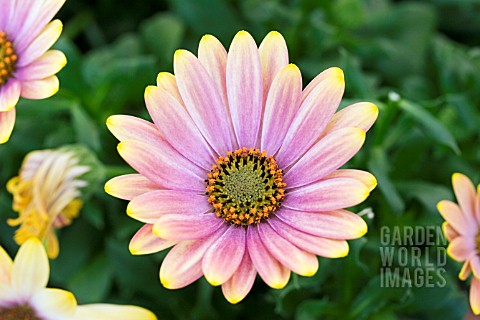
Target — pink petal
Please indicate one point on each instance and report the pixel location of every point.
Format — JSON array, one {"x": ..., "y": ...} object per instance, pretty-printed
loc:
[
  {"x": 338, "y": 224},
  {"x": 244, "y": 88},
  {"x": 475, "y": 295},
  {"x": 146, "y": 242},
  {"x": 465, "y": 271},
  {"x": 465, "y": 193},
  {"x": 324, "y": 247},
  {"x": 223, "y": 258},
  {"x": 125, "y": 127},
  {"x": 7, "y": 122},
  {"x": 273, "y": 57},
  {"x": 203, "y": 102},
  {"x": 475, "y": 264},
  {"x": 166, "y": 81},
  {"x": 148, "y": 207},
  {"x": 240, "y": 284},
  {"x": 40, "y": 44},
  {"x": 22, "y": 16},
  {"x": 281, "y": 106},
  {"x": 177, "y": 127},
  {"x": 40, "y": 89},
  {"x": 461, "y": 247},
  {"x": 295, "y": 259},
  {"x": 477, "y": 203},
  {"x": 270, "y": 270},
  {"x": 327, "y": 155},
  {"x": 364, "y": 177},
  {"x": 183, "y": 264},
  {"x": 449, "y": 232},
  {"x": 47, "y": 65},
  {"x": 213, "y": 57},
  {"x": 163, "y": 165},
  {"x": 129, "y": 186},
  {"x": 327, "y": 195},
  {"x": 186, "y": 226},
  {"x": 37, "y": 22},
  {"x": 315, "y": 112},
  {"x": 9, "y": 95},
  {"x": 360, "y": 115},
  {"x": 8, "y": 10},
  {"x": 452, "y": 213}
]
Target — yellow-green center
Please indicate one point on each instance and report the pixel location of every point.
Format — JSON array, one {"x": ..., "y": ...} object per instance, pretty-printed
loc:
[
  {"x": 245, "y": 187},
  {"x": 8, "y": 58},
  {"x": 23, "y": 312}
]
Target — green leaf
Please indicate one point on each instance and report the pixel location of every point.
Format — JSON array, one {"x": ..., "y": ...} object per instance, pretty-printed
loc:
[
  {"x": 314, "y": 309},
  {"x": 429, "y": 194},
  {"x": 86, "y": 130},
  {"x": 378, "y": 165},
  {"x": 429, "y": 124},
  {"x": 374, "y": 297},
  {"x": 163, "y": 34},
  {"x": 199, "y": 16},
  {"x": 91, "y": 284}
]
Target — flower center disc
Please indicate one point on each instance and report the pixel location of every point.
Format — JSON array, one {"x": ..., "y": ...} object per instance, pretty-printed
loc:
[
  {"x": 245, "y": 187},
  {"x": 8, "y": 58},
  {"x": 18, "y": 313}
]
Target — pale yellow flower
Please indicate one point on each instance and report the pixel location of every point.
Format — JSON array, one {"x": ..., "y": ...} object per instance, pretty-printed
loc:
[
  {"x": 23, "y": 292},
  {"x": 46, "y": 194}
]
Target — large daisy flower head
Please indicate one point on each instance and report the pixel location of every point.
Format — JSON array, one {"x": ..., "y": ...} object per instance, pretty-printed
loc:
[
  {"x": 462, "y": 230},
  {"x": 24, "y": 295},
  {"x": 27, "y": 67},
  {"x": 239, "y": 171}
]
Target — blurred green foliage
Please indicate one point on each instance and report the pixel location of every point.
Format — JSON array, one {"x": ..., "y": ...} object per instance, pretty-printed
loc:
[{"x": 418, "y": 61}]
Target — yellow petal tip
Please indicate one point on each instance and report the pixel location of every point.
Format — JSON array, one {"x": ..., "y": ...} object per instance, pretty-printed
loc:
[
  {"x": 234, "y": 300},
  {"x": 121, "y": 147},
  {"x": 440, "y": 205},
  {"x": 166, "y": 283},
  {"x": 362, "y": 231},
  {"x": 345, "y": 252},
  {"x": 338, "y": 73},
  {"x": 180, "y": 53},
  {"x": 372, "y": 183},
  {"x": 476, "y": 310},
  {"x": 279, "y": 285},
  {"x": 108, "y": 188},
  {"x": 208, "y": 37},
  {"x": 149, "y": 91},
  {"x": 274, "y": 33},
  {"x": 213, "y": 281},
  {"x": 457, "y": 176},
  {"x": 310, "y": 272},
  {"x": 159, "y": 231},
  {"x": 292, "y": 67},
  {"x": 243, "y": 33}
]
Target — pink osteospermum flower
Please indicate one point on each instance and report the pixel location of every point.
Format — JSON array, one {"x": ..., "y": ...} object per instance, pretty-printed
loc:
[
  {"x": 27, "y": 67},
  {"x": 46, "y": 195},
  {"x": 206, "y": 187},
  {"x": 24, "y": 295},
  {"x": 462, "y": 230}
]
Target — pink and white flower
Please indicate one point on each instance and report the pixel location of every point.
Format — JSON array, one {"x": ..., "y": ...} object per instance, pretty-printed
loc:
[
  {"x": 462, "y": 230},
  {"x": 27, "y": 67},
  {"x": 240, "y": 170}
]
